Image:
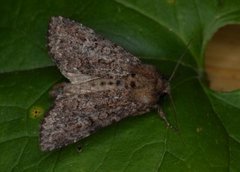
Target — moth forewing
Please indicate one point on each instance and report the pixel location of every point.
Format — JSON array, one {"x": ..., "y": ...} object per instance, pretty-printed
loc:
[{"x": 107, "y": 84}]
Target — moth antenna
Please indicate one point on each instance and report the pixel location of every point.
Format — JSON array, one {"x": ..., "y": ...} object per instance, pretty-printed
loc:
[
  {"x": 169, "y": 93},
  {"x": 175, "y": 111},
  {"x": 175, "y": 116},
  {"x": 179, "y": 60}
]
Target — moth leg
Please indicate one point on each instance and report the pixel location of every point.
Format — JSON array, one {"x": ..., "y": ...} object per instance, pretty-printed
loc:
[
  {"x": 79, "y": 148},
  {"x": 164, "y": 118},
  {"x": 57, "y": 89}
]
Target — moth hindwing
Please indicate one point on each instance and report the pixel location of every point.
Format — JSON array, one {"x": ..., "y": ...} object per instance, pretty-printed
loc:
[{"x": 107, "y": 84}]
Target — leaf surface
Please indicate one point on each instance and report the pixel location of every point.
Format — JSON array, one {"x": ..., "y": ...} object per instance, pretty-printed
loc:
[{"x": 157, "y": 32}]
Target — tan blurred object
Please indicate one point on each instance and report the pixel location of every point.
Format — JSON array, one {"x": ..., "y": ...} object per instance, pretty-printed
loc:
[{"x": 222, "y": 60}]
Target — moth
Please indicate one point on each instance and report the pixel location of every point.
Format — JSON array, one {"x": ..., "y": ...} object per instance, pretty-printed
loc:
[{"x": 106, "y": 84}]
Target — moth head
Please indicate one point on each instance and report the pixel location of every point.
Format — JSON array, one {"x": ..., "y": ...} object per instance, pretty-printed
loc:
[{"x": 163, "y": 88}]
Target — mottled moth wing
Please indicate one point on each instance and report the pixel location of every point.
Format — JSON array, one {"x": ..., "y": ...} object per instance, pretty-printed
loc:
[
  {"x": 82, "y": 55},
  {"x": 75, "y": 115},
  {"x": 106, "y": 85}
]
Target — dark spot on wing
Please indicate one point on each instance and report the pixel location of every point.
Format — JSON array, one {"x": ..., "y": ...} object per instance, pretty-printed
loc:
[
  {"x": 133, "y": 84},
  {"x": 118, "y": 82},
  {"x": 133, "y": 75},
  {"x": 102, "y": 83}
]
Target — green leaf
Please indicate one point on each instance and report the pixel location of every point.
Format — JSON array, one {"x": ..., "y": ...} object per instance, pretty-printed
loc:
[{"x": 157, "y": 32}]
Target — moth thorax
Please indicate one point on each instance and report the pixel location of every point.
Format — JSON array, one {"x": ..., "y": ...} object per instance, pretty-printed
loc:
[{"x": 145, "y": 96}]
